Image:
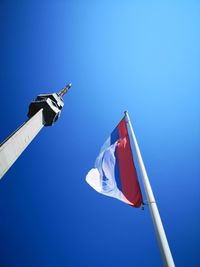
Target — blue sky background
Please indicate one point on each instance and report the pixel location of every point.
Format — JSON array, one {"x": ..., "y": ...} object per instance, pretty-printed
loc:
[{"x": 142, "y": 56}]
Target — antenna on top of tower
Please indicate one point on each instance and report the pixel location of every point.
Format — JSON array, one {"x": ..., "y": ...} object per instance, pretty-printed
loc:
[{"x": 62, "y": 92}]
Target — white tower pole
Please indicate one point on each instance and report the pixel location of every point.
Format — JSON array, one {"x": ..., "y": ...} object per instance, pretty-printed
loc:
[
  {"x": 160, "y": 233},
  {"x": 43, "y": 111},
  {"x": 15, "y": 144}
]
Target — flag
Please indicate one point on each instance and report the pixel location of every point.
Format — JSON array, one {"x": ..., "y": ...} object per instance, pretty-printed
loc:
[{"x": 114, "y": 174}]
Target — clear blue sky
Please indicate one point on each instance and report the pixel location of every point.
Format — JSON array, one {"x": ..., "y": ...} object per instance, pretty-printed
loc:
[{"x": 142, "y": 56}]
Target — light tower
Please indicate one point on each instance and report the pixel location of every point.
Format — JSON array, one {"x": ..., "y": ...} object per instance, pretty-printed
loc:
[{"x": 43, "y": 111}]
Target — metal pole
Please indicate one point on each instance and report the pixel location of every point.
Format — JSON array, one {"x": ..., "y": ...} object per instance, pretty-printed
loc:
[{"x": 160, "y": 233}]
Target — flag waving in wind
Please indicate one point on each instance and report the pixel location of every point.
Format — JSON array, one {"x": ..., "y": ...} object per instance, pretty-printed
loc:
[{"x": 114, "y": 174}]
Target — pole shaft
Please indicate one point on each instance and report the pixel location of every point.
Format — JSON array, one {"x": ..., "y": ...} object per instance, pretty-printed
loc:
[
  {"x": 15, "y": 144},
  {"x": 160, "y": 233}
]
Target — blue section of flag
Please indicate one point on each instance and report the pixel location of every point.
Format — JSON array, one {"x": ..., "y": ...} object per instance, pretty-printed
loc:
[
  {"x": 104, "y": 178},
  {"x": 113, "y": 139},
  {"x": 114, "y": 136},
  {"x": 117, "y": 173}
]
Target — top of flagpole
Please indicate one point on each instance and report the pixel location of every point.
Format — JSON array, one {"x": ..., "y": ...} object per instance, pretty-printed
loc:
[{"x": 126, "y": 115}]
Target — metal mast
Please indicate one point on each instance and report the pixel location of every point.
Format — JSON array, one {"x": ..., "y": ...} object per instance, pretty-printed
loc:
[
  {"x": 158, "y": 226},
  {"x": 62, "y": 92}
]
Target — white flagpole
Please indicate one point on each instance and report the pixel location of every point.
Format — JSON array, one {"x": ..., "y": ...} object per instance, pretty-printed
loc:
[{"x": 160, "y": 233}]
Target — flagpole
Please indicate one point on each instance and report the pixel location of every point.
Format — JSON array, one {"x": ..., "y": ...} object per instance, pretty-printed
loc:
[{"x": 160, "y": 233}]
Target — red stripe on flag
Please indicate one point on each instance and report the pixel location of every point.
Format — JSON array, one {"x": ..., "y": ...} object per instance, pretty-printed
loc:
[{"x": 128, "y": 175}]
